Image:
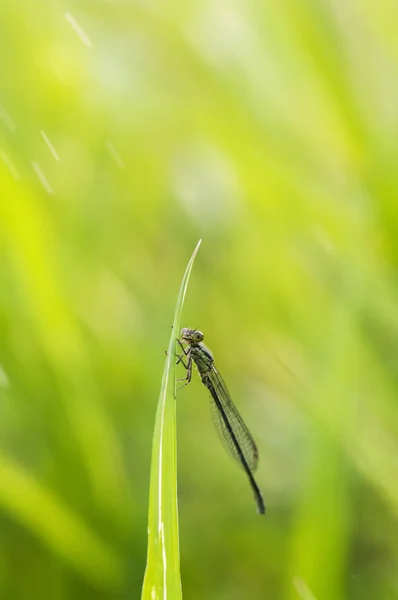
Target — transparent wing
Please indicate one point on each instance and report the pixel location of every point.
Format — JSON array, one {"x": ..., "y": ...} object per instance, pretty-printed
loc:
[{"x": 242, "y": 434}]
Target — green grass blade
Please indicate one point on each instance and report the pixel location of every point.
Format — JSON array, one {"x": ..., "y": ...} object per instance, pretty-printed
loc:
[
  {"x": 46, "y": 516},
  {"x": 162, "y": 576}
]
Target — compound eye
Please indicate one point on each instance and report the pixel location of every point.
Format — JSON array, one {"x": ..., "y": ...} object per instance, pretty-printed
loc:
[{"x": 198, "y": 336}]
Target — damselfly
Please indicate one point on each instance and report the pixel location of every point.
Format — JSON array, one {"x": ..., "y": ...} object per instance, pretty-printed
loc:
[{"x": 229, "y": 424}]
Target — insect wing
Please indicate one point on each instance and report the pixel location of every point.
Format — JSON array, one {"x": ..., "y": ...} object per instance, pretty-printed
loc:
[{"x": 242, "y": 434}]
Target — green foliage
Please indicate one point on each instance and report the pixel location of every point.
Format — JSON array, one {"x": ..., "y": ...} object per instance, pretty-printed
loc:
[
  {"x": 162, "y": 576},
  {"x": 128, "y": 130}
]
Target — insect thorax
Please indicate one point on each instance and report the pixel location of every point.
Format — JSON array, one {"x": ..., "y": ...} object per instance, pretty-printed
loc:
[{"x": 202, "y": 358}]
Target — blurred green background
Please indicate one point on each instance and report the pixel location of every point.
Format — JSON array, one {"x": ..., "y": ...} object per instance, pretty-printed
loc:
[{"x": 129, "y": 130}]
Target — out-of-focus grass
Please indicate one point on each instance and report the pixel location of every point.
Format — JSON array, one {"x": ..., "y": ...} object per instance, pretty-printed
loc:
[
  {"x": 38, "y": 509},
  {"x": 128, "y": 131}
]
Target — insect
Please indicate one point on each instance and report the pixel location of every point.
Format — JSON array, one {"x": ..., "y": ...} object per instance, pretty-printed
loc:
[{"x": 228, "y": 422}]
